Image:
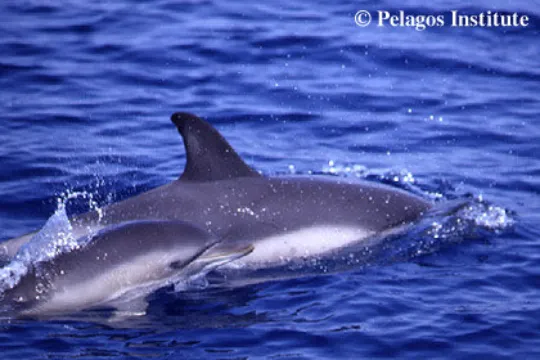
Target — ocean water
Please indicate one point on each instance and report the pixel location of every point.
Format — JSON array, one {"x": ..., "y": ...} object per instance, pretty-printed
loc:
[{"x": 451, "y": 114}]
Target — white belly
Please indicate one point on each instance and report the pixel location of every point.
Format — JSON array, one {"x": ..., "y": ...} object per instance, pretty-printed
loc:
[{"x": 303, "y": 243}]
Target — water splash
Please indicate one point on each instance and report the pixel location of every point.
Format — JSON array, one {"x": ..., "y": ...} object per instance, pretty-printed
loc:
[
  {"x": 470, "y": 219},
  {"x": 45, "y": 244},
  {"x": 488, "y": 216},
  {"x": 54, "y": 238}
]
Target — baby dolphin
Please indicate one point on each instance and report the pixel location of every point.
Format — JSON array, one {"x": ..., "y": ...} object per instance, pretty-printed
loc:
[{"x": 116, "y": 268}]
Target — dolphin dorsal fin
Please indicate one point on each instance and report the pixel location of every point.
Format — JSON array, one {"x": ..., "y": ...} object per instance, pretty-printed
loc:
[{"x": 209, "y": 155}]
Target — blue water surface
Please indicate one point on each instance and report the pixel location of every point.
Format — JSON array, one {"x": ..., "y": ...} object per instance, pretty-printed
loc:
[{"x": 86, "y": 90}]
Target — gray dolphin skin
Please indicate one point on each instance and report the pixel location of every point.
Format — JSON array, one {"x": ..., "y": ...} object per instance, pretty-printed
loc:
[
  {"x": 283, "y": 218},
  {"x": 118, "y": 267}
]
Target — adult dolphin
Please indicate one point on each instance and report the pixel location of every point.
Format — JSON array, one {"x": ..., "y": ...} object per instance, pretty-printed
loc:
[
  {"x": 117, "y": 267},
  {"x": 283, "y": 217}
]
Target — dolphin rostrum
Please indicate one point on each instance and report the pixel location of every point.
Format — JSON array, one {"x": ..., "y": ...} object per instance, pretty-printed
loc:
[
  {"x": 116, "y": 268},
  {"x": 282, "y": 217}
]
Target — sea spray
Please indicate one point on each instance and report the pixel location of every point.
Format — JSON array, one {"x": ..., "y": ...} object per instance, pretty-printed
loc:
[{"x": 54, "y": 238}]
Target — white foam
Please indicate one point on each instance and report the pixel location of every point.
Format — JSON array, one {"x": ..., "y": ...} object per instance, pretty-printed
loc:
[{"x": 54, "y": 237}]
